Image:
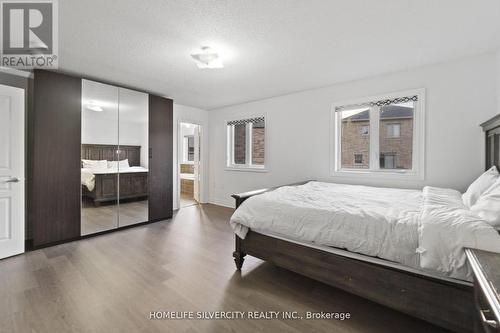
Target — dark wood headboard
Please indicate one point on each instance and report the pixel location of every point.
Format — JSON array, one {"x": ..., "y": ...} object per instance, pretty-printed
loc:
[
  {"x": 492, "y": 132},
  {"x": 109, "y": 152}
]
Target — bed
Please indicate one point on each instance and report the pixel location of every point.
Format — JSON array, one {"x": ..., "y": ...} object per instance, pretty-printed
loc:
[
  {"x": 102, "y": 184},
  {"x": 404, "y": 267}
]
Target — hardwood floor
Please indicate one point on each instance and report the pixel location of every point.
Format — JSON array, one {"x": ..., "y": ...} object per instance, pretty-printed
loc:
[
  {"x": 187, "y": 200},
  {"x": 110, "y": 283},
  {"x": 105, "y": 217}
]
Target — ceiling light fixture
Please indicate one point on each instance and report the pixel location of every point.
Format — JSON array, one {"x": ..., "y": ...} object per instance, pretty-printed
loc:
[
  {"x": 207, "y": 58},
  {"x": 94, "y": 106}
]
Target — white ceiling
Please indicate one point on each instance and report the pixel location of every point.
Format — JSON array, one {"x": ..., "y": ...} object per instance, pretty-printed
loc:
[{"x": 270, "y": 47}]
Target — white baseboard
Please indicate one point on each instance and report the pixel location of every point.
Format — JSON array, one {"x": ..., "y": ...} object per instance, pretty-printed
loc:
[{"x": 221, "y": 202}]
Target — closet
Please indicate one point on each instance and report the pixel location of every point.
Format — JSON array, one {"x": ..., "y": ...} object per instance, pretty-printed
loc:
[{"x": 100, "y": 158}]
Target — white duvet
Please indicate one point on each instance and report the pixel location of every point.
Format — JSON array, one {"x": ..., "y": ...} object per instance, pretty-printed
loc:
[
  {"x": 88, "y": 175},
  {"x": 421, "y": 229}
]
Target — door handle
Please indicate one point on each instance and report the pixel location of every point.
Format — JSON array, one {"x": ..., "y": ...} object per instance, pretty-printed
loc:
[{"x": 12, "y": 180}]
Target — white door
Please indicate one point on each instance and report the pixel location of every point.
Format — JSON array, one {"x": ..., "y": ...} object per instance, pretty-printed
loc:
[
  {"x": 197, "y": 142},
  {"x": 11, "y": 171}
]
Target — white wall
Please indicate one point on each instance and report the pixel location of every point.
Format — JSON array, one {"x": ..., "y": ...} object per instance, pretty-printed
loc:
[
  {"x": 96, "y": 130},
  {"x": 459, "y": 96},
  {"x": 498, "y": 81},
  {"x": 183, "y": 113}
]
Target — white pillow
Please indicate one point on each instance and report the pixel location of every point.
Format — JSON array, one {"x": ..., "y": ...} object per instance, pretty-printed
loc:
[
  {"x": 94, "y": 164},
  {"x": 123, "y": 164},
  {"x": 479, "y": 186},
  {"x": 488, "y": 205}
]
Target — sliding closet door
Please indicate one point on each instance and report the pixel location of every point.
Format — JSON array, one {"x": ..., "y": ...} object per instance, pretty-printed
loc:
[
  {"x": 133, "y": 156},
  {"x": 99, "y": 154},
  {"x": 160, "y": 157},
  {"x": 54, "y": 158}
]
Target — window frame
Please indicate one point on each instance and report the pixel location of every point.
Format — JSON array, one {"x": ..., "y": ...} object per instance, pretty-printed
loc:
[
  {"x": 248, "y": 166},
  {"x": 417, "y": 172}
]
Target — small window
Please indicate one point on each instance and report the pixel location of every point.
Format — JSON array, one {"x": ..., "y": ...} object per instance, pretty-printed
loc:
[
  {"x": 388, "y": 161},
  {"x": 358, "y": 158},
  {"x": 393, "y": 130},
  {"x": 365, "y": 130},
  {"x": 246, "y": 143}
]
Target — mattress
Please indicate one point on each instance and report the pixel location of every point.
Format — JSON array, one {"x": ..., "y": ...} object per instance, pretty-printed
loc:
[
  {"x": 378, "y": 222},
  {"x": 425, "y": 230}
]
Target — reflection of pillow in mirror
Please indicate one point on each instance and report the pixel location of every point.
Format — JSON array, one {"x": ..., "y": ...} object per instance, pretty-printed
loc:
[
  {"x": 123, "y": 164},
  {"x": 94, "y": 164}
]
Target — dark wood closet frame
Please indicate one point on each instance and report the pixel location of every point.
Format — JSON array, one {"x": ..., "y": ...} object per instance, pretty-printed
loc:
[
  {"x": 52, "y": 221},
  {"x": 445, "y": 303}
]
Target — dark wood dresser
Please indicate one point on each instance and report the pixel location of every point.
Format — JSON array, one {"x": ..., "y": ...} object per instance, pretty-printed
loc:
[{"x": 486, "y": 268}]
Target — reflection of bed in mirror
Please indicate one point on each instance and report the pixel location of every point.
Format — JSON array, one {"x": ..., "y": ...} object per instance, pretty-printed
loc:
[{"x": 101, "y": 184}]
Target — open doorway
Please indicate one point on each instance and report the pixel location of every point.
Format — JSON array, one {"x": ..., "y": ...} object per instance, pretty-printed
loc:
[{"x": 189, "y": 164}]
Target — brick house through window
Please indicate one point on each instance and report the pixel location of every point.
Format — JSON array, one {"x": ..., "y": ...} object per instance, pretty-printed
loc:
[
  {"x": 258, "y": 143},
  {"x": 240, "y": 139},
  {"x": 395, "y": 138},
  {"x": 246, "y": 143}
]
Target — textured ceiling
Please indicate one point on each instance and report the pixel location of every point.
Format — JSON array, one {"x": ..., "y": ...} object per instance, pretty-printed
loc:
[{"x": 270, "y": 47}]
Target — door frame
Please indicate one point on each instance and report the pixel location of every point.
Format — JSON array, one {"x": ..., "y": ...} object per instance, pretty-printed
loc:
[
  {"x": 201, "y": 181},
  {"x": 21, "y": 94}
]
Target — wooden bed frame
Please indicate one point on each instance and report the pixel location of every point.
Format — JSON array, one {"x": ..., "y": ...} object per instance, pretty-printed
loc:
[
  {"x": 133, "y": 185},
  {"x": 443, "y": 302}
]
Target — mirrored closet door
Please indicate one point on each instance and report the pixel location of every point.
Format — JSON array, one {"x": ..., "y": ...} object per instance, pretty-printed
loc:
[
  {"x": 99, "y": 208},
  {"x": 133, "y": 157},
  {"x": 114, "y": 154}
]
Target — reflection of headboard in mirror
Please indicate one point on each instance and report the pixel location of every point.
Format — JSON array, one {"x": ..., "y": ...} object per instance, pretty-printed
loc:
[
  {"x": 108, "y": 152},
  {"x": 492, "y": 130}
]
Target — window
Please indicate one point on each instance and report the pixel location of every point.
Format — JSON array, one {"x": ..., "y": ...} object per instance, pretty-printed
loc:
[
  {"x": 240, "y": 144},
  {"x": 365, "y": 130},
  {"x": 246, "y": 143},
  {"x": 387, "y": 161},
  {"x": 352, "y": 142},
  {"x": 383, "y": 134},
  {"x": 188, "y": 151},
  {"x": 393, "y": 130}
]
